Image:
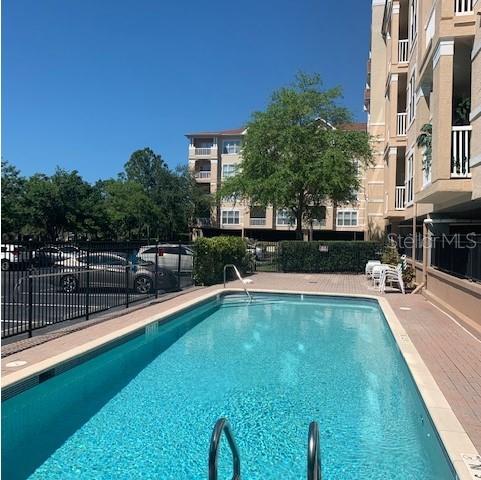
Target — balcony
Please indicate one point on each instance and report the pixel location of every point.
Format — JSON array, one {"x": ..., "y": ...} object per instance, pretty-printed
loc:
[
  {"x": 400, "y": 198},
  {"x": 460, "y": 152},
  {"x": 463, "y": 7},
  {"x": 202, "y": 152},
  {"x": 202, "y": 175},
  {"x": 401, "y": 124},
  {"x": 204, "y": 222},
  {"x": 403, "y": 51},
  {"x": 256, "y": 222}
]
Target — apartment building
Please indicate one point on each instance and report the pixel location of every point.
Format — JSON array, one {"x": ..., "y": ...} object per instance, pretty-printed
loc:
[
  {"x": 424, "y": 73},
  {"x": 215, "y": 156}
]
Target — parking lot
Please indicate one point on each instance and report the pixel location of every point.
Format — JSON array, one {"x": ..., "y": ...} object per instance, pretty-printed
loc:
[{"x": 42, "y": 301}]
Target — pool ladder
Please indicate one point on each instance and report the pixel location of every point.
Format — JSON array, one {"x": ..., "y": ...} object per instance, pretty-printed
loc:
[
  {"x": 231, "y": 265},
  {"x": 222, "y": 426}
]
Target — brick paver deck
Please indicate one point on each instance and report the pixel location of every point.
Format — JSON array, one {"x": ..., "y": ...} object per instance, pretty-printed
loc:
[{"x": 452, "y": 354}]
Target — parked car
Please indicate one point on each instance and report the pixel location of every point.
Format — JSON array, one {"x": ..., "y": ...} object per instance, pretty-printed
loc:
[
  {"x": 49, "y": 255},
  {"x": 13, "y": 255},
  {"x": 109, "y": 271},
  {"x": 256, "y": 252},
  {"x": 168, "y": 256}
]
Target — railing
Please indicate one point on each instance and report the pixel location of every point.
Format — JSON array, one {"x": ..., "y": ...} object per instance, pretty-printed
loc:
[
  {"x": 463, "y": 7},
  {"x": 461, "y": 140},
  {"x": 257, "y": 221},
  {"x": 47, "y": 284},
  {"x": 222, "y": 426},
  {"x": 204, "y": 222},
  {"x": 403, "y": 51},
  {"x": 202, "y": 174},
  {"x": 401, "y": 124},
  {"x": 230, "y": 265},
  {"x": 313, "y": 453},
  {"x": 232, "y": 149},
  {"x": 458, "y": 255},
  {"x": 400, "y": 198}
]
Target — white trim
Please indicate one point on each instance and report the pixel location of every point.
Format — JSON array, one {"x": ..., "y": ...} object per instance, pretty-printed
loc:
[
  {"x": 233, "y": 210},
  {"x": 475, "y": 160},
  {"x": 476, "y": 49},
  {"x": 475, "y": 113},
  {"x": 443, "y": 48},
  {"x": 394, "y": 77},
  {"x": 392, "y": 151},
  {"x": 395, "y": 8},
  {"x": 378, "y": 3}
]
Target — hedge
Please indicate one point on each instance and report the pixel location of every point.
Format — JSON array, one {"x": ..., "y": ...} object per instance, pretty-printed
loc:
[
  {"x": 334, "y": 256},
  {"x": 211, "y": 254}
]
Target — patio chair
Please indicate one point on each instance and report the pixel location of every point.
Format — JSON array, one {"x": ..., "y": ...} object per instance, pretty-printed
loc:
[
  {"x": 376, "y": 272},
  {"x": 369, "y": 265},
  {"x": 391, "y": 275}
]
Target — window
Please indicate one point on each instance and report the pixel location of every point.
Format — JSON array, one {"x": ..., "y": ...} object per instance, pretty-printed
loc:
[
  {"x": 411, "y": 94},
  {"x": 230, "y": 199},
  {"x": 346, "y": 218},
  {"x": 228, "y": 170},
  {"x": 284, "y": 217},
  {"x": 230, "y": 217},
  {"x": 413, "y": 21},
  {"x": 410, "y": 179},
  {"x": 231, "y": 146}
]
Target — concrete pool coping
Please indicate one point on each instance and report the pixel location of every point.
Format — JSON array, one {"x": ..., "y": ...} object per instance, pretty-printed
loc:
[{"x": 454, "y": 438}]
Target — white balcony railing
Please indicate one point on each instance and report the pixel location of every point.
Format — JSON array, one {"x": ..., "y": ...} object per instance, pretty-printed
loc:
[
  {"x": 204, "y": 222},
  {"x": 460, "y": 149},
  {"x": 203, "y": 150},
  {"x": 403, "y": 51},
  {"x": 463, "y": 7},
  {"x": 401, "y": 124},
  {"x": 202, "y": 174},
  {"x": 257, "y": 221},
  {"x": 400, "y": 198}
]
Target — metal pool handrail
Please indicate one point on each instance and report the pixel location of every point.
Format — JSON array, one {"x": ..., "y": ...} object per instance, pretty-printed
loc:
[
  {"x": 313, "y": 453},
  {"x": 231, "y": 265},
  {"x": 222, "y": 426}
]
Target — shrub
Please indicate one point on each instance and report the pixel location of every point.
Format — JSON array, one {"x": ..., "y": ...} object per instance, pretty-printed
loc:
[
  {"x": 211, "y": 254},
  {"x": 390, "y": 255},
  {"x": 341, "y": 256}
]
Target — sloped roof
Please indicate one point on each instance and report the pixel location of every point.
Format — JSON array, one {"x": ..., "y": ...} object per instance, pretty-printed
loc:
[
  {"x": 353, "y": 127},
  {"x": 220, "y": 133}
]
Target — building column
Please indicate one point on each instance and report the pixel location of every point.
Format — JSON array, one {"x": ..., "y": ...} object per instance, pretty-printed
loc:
[
  {"x": 393, "y": 94},
  {"x": 441, "y": 109},
  {"x": 395, "y": 33}
]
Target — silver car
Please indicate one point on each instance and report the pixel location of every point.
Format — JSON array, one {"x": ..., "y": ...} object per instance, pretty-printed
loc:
[{"x": 107, "y": 270}]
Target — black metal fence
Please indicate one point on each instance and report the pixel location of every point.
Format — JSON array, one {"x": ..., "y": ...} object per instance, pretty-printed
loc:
[
  {"x": 266, "y": 256},
  {"x": 46, "y": 284},
  {"x": 458, "y": 255}
]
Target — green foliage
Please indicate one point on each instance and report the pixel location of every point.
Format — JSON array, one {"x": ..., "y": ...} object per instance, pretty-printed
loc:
[
  {"x": 424, "y": 140},
  {"x": 211, "y": 254},
  {"x": 147, "y": 200},
  {"x": 462, "y": 111},
  {"x": 390, "y": 255},
  {"x": 342, "y": 256},
  {"x": 13, "y": 186},
  {"x": 293, "y": 158}
]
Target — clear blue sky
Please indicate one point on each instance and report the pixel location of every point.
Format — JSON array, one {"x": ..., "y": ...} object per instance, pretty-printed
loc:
[{"x": 87, "y": 82}]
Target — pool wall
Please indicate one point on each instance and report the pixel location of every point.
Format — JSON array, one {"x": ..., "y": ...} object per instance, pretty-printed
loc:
[{"x": 451, "y": 433}]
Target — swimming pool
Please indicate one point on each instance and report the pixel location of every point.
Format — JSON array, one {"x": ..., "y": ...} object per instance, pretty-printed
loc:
[{"x": 146, "y": 408}]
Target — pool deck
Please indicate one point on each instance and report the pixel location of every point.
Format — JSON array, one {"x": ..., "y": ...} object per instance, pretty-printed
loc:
[{"x": 451, "y": 352}]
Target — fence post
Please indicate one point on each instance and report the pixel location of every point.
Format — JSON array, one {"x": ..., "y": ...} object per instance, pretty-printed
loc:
[
  {"x": 156, "y": 270},
  {"x": 127, "y": 269},
  {"x": 178, "y": 266},
  {"x": 30, "y": 304},
  {"x": 87, "y": 286}
]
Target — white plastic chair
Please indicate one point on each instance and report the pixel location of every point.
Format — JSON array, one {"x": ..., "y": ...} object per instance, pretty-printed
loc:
[
  {"x": 391, "y": 275},
  {"x": 369, "y": 266}
]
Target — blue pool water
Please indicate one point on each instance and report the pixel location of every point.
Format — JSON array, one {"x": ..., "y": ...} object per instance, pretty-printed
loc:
[{"x": 146, "y": 408}]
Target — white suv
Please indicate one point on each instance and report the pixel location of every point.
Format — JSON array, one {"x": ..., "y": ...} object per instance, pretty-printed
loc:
[
  {"x": 168, "y": 255},
  {"x": 13, "y": 254}
]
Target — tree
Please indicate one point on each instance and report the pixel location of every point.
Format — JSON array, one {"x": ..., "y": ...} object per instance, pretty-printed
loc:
[
  {"x": 424, "y": 140},
  {"x": 13, "y": 187},
  {"x": 294, "y": 157},
  {"x": 128, "y": 208}
]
